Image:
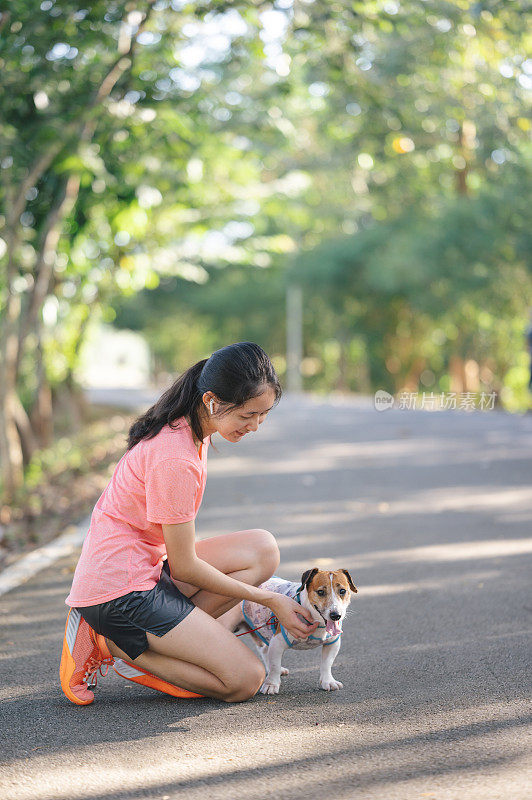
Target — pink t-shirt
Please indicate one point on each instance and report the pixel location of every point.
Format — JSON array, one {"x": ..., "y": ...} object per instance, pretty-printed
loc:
[{"x": 158, "y": 480}]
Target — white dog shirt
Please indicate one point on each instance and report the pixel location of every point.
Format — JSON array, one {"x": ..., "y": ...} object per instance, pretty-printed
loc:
[{"x": 256, "y": 616}]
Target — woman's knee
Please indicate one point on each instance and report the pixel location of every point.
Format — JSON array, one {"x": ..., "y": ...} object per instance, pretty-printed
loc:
[
  {"x": 248, "y": 684},
  {"x": 266, "y": 550}
]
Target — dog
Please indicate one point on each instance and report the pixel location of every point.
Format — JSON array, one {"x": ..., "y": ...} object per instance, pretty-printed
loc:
[{"x": 326, "y": 595}]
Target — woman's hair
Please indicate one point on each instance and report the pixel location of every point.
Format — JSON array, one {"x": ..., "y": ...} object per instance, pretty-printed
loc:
[{"x": 234, "y": 374}]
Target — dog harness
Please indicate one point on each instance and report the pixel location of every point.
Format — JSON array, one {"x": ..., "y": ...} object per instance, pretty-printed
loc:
[{"x": 257, "y": 616}]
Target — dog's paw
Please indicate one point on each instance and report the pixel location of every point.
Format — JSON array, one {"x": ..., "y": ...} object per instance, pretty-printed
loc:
[
  {"x": 270, "y": 688},
  {"x": 285, "y": 671},
  {"x": 331, "y": 685}
]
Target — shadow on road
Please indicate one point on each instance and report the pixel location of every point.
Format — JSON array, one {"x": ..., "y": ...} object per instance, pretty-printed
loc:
[{"x": 431, "y": 515}]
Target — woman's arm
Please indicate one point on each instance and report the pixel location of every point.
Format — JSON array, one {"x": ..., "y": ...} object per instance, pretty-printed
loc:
[{"x": 186, "y": 566}]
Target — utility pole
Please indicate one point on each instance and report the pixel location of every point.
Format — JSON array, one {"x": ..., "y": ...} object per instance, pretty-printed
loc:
[{"x": 294, "y": 337}]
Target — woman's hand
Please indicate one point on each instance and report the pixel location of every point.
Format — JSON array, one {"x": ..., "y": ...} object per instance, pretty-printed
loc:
[{"x": 289, "y": 614}]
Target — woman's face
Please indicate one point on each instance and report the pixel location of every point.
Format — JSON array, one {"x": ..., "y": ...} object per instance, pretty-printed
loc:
[{"x": 235, "y": 424}]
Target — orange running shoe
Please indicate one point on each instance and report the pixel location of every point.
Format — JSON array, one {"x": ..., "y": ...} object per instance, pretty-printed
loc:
[
  {"x": 95, "y": 663},
  {"x": 138, "y": 675},
  {"x": 84, "y": 652}
]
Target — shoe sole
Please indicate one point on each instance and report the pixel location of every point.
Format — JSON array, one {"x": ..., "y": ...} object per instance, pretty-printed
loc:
[
  {"x": 132, "y": 673},
  {"x": 68, "y": 665}
]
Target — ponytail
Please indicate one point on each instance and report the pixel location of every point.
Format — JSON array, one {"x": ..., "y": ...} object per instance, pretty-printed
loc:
[
  {"x": 234, "y": 374},
  {"x": 179, "y": 400}
]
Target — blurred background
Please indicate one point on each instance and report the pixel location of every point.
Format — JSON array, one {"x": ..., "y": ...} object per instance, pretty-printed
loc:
[{"x": 344, "y": 183}]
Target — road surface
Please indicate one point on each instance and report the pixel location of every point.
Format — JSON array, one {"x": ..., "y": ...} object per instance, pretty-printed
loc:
[{"x": 431, "y": 512}]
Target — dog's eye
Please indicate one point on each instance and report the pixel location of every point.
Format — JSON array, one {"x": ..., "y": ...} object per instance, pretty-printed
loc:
[
  {"x": 342, "y": 591},
  {"x": 321, "y": 592}
]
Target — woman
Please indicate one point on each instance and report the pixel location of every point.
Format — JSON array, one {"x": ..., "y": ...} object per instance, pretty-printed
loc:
[{"x": 144, "y": 591}]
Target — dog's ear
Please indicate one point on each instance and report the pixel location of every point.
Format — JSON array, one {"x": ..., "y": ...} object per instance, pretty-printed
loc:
[
  {"x": 349, "y": 580},
  {"x": 307, "y": 577}
]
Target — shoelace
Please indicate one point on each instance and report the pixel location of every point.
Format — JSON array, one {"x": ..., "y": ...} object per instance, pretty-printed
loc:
[{"x": 94, "y": 665}]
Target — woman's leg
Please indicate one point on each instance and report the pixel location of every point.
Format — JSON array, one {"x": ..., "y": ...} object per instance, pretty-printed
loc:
[
  {"x": 199, "y": 654},
  {"x": 250, "y": 556}
]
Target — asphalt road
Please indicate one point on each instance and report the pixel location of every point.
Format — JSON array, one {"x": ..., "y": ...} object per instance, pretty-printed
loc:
[{"x": 431, "y": 512}]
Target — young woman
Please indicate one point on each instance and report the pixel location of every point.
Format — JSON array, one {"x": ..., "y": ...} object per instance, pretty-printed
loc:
[{"x": 145, "y": 596}]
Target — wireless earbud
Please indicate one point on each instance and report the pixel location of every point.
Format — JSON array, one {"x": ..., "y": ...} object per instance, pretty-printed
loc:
[{"x": 212, "y": 412}]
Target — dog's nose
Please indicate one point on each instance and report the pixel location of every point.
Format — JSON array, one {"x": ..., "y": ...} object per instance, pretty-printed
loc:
[{"x": 335, "y": 616}]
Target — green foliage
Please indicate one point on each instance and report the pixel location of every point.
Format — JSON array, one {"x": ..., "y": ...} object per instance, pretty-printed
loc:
[{"x": 376, "y": 153}]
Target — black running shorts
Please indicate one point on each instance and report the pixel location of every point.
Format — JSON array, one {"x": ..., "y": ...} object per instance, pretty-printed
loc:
[{"x": 126, "y": 619}]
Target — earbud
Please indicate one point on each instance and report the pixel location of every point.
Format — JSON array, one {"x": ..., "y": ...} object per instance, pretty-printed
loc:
[{"x": 212, "y": 411}]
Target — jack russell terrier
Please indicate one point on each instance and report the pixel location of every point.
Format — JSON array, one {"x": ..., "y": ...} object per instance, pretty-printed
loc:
[{"x": 326, "y": 595}]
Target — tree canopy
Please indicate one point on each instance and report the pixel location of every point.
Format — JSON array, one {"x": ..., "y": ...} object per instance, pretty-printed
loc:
[{"x": 175, "y": 165}]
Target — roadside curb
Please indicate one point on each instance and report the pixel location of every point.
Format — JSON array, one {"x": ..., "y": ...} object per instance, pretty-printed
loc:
[{"x": 27, "y": 566}]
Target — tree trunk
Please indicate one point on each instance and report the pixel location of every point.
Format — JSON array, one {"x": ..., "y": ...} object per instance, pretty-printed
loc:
[
  {"x": 44, "y": 266},
  {"x": 28, "y": 442},
  {"x": 466, "y": 141},
  {"x": 10, "y": 447},
  {"x": 457, "y": 374},
  {"x": 76, "y": 392},
  {"x": 411, "y": 381},
  {"x": 42, "y": 412},
  {"x": 11, "y": 456},
  {"x": 342, "y": 383},
  {"x": 472, "y": 375}
]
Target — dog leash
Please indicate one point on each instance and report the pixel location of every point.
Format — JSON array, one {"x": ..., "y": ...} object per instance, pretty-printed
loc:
[{"x": 273, "y": 620}]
